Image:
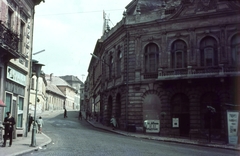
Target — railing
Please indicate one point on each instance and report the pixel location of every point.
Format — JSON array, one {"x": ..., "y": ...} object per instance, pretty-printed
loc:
[
  {"x": 198, "y": 71},
  {"x": 8, "y": 39}
]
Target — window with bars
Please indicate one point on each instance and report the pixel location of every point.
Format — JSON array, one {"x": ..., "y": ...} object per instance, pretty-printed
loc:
[{"x": 151, "y": 58}]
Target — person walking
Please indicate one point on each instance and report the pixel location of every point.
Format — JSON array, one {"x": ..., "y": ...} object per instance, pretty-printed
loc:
[
  {"x": 30, "y": 120},
  {"x": 113, "y": 122},
  {"x": 65, "y": 113},
  {"x": 40, "y": 124},
  {"x": 9, "y": 122},
  {"x": 80, "y": 115}
]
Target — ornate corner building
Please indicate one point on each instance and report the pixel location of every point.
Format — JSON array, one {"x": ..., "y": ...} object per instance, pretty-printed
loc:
[{"x": 168, "y": 60}]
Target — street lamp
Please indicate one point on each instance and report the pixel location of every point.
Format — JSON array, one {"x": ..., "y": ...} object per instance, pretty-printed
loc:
[
  {"x": 96, "y": 57},
  {"x": 37, "y": 68},
  {"x": 29, "y": 86}
]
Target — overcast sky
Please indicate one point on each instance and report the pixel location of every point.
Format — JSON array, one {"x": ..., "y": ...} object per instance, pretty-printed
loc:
[{"x": 68, "y": 31}]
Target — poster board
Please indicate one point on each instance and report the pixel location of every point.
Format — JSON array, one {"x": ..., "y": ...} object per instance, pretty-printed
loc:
[
  {"x": 232, "y": 121},
  {"x": 152, "y": 126},
  {"x": 175, "y": 122}
]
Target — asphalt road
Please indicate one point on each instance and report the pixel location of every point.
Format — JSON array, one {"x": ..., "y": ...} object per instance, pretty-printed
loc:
[{"x": 71, "y": 137}]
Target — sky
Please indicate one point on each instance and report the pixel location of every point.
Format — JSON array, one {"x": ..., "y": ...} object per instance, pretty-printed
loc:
[{"x": 68, "y": 31}]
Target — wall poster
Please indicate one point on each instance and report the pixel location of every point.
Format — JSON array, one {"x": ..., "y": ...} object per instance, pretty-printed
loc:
[{"x": 232, "y": 121}]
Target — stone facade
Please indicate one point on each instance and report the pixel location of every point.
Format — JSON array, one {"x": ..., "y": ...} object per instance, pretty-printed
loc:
[{"x": 170, "y": 60}]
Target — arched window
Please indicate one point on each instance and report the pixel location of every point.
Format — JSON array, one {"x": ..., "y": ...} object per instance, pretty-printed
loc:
[
  {"x": 179, "y": 54},
  {"x": 119, "y": 63},
  {"x": 151, "y": 58},
  {"x": 209, "y": 54},
  {"x": 111, "y": 67},
  {"x": 235, "y": 48}
]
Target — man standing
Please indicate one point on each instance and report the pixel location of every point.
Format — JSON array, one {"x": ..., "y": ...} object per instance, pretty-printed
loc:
[
  {"x": 9, "y": 122},
  {"x": 113, "y": 122},
  {"x": 30, "y": 120}
]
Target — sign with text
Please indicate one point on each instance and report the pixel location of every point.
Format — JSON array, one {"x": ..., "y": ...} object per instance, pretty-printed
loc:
[
  {"x": 152, "y": 126},
  {"x": 232, "y": 120},
  {"x": 16, "y": 76}
]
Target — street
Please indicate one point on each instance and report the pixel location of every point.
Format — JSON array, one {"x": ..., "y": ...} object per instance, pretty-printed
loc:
[{"x": 71, "y": 137}]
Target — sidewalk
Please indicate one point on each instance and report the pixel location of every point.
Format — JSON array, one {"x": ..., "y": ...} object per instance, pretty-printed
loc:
[
  {"x": 167, "y": 139},
  {"x": 21, "y": 145}
]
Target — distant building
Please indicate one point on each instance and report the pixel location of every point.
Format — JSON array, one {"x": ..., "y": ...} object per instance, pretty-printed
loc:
[
  {"x": 55, "y": 98},
  {"x": 41, "y": 94},
  {"x": 171, "y": 61},
  {"x": 68, "y": 91},
  {"x": 76, "y": 84}
]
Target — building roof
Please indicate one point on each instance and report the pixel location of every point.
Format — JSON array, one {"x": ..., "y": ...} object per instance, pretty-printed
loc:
[
  {"x": 53, "y": 88},
  {"x": 71, "y": 78}
]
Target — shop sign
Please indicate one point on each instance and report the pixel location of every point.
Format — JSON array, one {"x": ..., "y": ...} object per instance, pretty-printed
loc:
[{"x": 16, "y": 76}]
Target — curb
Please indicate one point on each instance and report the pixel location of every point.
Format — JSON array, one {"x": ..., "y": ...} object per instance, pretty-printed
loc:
[
  {"x": 35, "y": 148},
  {"x": 174, "y": 141}
]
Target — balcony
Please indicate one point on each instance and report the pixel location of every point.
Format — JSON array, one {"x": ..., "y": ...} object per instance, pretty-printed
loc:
[
  {"x": 197, "y": 72},
  {"x": 9, "y": 42}
]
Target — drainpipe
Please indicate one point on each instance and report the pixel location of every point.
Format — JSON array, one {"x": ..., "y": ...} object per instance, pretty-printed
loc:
[{"x": 127, "y": 77}]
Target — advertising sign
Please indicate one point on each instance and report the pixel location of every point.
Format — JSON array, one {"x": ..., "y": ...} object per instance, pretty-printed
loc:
[
  {"x": 175, "y": 122},
  {"x": 152, "y": 126},
  {"x": 232, "y": 120}
]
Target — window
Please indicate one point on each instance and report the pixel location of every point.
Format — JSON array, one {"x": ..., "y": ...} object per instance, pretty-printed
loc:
[
  {"x": 32, "y": 84},
  {"x": 235, "y": 48},
  {"x": 22, "y": 28},
  {"x": 10, "y": 16},
  {"x": 119, "y": 63},
  {"x": 209, "y": 55},
  {"x": 111, "y": 67},
  {"x": 8, "y": 103},
  {"x": 151, "y": 58},
  {"x": 179, "y": 54},
  {"x": 20, "y": 112}
]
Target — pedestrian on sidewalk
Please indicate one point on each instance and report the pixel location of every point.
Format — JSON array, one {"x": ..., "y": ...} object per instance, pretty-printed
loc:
[
  {"x": 65, "y": 113},
  {"x": 80, "y": 115},
  {"x": 9, "y": 122},
  {"x": 113, "y": 122},
  {"x": 40, "y": 124},
  {"x": 30, "y": 120}
]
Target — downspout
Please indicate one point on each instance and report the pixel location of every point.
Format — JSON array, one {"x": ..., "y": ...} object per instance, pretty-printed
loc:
[{"x": 127, "y": 77}]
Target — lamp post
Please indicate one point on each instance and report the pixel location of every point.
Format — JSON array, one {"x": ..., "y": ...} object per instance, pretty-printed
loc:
[
  {"x": 29, "y": 86},
  {"x": 37, "y": 69}
]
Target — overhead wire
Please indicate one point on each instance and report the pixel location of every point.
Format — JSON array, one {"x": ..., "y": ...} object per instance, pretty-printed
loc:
[{"x": 81, "y": 12}]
